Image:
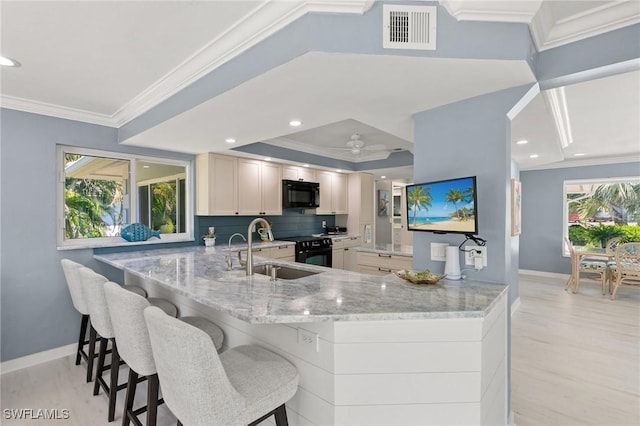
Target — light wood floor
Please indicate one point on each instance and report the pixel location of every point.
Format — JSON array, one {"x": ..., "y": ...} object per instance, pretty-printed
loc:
[
  {"x": 575, "y": 361},
  {"x": 575, "y": 357}
]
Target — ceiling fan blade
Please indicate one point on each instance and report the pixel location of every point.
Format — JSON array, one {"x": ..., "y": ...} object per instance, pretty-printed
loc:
[{"x": 377, "y": 147}]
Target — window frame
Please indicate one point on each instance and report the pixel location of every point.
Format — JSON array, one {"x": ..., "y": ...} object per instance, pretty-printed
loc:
[
  {"x": 83, "y": 243},
  {"x": 565, "y": 205}
]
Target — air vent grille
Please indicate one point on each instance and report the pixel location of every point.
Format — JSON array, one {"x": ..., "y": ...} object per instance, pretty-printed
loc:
[{"x": 409, "y": 27}]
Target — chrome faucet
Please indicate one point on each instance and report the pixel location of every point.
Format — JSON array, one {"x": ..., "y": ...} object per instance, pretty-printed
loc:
[
  {"x": 250, "y": 231},
  {"x": 229, "y": 260}
]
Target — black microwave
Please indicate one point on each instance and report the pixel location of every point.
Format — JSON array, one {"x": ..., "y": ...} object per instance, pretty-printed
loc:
[{"x": 300, "y": 195}]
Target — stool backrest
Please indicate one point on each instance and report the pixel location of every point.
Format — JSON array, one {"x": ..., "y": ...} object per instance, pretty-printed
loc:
[
  {"x": 194, "y": 384},
  {"x": 92, "y": 286},
  {"x": 127, "y": 318},
  {"x": 70, "y": 269}
]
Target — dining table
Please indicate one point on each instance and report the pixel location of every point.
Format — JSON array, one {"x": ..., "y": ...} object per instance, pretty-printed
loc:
[{"x": 579, "y": 254}]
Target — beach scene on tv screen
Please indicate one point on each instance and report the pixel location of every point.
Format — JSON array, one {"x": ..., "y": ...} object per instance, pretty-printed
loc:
[{"x": 442, "y": 206}]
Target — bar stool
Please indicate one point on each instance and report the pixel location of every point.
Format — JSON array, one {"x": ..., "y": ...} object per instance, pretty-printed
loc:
[
  {"x": 127, "y": 318},
  {"x": 93, "y": 289},
  {"x": 70, "y": 269},
  {"x": 243, "y": 385}
]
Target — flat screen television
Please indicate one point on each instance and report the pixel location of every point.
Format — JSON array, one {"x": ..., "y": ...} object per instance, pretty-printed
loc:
[{"x": 445, "y": 206}]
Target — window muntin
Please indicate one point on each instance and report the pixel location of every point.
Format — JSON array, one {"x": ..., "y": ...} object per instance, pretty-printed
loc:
[{"x": 100, "y": 193}]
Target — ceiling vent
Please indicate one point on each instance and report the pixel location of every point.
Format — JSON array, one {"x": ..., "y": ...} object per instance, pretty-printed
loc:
[{"x": 409, "y": 27}]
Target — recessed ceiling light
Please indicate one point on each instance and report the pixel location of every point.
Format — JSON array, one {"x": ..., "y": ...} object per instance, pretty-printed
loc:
[
  {"x": 579, "y": 154},
  {"x": 522, "y": 142},
  {"x": 230, "y": 140},
  {"x": 267, "y": 159},
  {"x": 305, "y": 165},
  {"x": 145, "y": 167},
  {"x": 383, "y": 177},
  {"x": 534, "y": 156},
  {"x": 295, "y": 123},
  {"x": 338, "y": 170},
  {"x": 8, "y": 62}
]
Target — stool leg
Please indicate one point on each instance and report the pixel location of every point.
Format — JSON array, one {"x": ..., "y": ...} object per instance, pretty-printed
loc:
[
  {"x": 92, "y": 353},
  {"x": 131, "y": 393},
  {"x": 102, "y": 353},
  {"x": 83, "y": 333},
  {"x": 152, "y": 399},
  {"x": 113, "y": 387},
  {"x": 281, "y": 416}
]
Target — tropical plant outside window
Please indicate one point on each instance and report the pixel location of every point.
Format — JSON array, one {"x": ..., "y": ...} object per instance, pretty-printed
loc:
[
  {"x": 598, "y": 210},
  {"x": 102, "y": 194}
]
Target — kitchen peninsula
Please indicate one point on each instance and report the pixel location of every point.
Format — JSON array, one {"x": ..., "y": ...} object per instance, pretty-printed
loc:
[{"x": 369, "y": 349}]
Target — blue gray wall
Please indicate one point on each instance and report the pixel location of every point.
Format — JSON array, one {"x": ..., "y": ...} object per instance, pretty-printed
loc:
[
  {"x": 542, "y": 207},
  {"x": 36, "y": 309}
]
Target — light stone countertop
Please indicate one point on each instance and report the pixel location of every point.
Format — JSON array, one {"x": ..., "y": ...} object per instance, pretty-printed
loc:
[
  {"x": 396, "y": 250},
  {"x": 200, "y": 273}
]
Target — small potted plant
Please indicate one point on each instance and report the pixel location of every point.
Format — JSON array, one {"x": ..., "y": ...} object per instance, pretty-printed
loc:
[{"x": 210, "y": 237}]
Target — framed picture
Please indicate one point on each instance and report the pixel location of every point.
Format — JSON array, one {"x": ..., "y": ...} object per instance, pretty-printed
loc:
[
  {"x": 383, "y": 202},
  {"x": 516, "y": 207}
]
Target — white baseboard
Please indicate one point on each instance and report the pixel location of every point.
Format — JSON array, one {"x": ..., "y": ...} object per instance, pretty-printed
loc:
[
  {"x": 544, "y": 274},
  {"x": 515, "y": 305},
  {"x": 512, "y": 418},
  {"x": 37, "y": 358}
]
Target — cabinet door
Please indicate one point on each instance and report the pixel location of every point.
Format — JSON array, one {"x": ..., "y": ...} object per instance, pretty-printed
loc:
[
  {"x": 372, "y": 270},
  {"x": 290, "y": 172},
  {"x": 325, "y": 179},
  {"x": 249, "y": 187},
  {"x": 350, "y": 259},
  {"x": 217, "y": 185},
  {"x": 337, "y": 259},
  {"x": 271, "y": 188},
  {"x": 339, "y": 193},
  {"x": 307, "y": 174}
]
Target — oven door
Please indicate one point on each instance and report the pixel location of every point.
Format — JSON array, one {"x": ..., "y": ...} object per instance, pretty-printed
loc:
[{"x": 319, "y": 256}]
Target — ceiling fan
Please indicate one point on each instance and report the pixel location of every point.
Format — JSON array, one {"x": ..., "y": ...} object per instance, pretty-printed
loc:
[{"x": 356, "y": 145}]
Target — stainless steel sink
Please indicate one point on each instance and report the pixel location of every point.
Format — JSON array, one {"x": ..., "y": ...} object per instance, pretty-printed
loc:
[{"x": 282, "y": 272}]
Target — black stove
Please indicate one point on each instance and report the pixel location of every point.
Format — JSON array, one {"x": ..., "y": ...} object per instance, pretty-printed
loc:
[{"x": 312, "y": 250}]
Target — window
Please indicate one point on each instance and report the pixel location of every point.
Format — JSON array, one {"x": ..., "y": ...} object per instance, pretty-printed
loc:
[
  {"x": 100, "y": 193},
  {"x": 596, "y": 210}
]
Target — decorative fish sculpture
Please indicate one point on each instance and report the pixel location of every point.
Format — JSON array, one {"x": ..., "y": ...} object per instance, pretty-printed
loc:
[{"x": 138, "y": 232}]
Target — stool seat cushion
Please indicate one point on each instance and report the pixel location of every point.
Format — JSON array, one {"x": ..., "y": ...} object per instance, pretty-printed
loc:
[
  {"x": 135, "y": 289},
  {"x": 168, "y": 307},
  {"x": 208, "y": 327},
  {"x": 262, "y": 377}
]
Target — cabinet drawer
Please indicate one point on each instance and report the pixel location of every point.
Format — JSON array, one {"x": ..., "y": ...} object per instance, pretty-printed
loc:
[
  {"x": 385, "y": 261},
  {"x": 351, "y": 242},
  {"x": 337, "y": 244},
  {"x": 282, "y": 252},
  {"x": 373, "y": 270}
]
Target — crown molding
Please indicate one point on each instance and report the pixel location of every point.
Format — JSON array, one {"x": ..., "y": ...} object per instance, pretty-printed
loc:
[
  {"x": 586, "y": 162},
  {"x": 35, "y": 107},
  {"x": 548, "y": 33},
  {"x": 256, "y": 26},
  {"x": 492, "y": 11}
]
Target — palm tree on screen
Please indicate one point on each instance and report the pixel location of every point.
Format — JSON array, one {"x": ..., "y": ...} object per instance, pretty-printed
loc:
[
  {"x": 419, "y": 198},
  {"x": 455, "y": 196}
]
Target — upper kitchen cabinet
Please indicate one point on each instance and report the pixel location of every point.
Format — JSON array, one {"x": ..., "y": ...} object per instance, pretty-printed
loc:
[
  {"x": 229, "y": 186},
  {"x": 299, "y": 173},
  {"x": 216, "y": 185},
  {"x": 333, "y": 193}
]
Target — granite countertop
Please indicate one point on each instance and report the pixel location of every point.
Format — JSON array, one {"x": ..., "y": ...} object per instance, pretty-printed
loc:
[
  {"x": 200, "y": 273},
  {"x": 394, "y": 249}
]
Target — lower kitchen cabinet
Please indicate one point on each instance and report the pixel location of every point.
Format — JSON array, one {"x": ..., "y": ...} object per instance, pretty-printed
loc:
[
  {"x": 344, "y": 255},
  {"x": 382, "y": 263}
]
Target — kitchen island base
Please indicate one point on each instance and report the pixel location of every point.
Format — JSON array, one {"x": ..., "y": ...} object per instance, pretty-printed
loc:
[{"x": 435, "y": 371}]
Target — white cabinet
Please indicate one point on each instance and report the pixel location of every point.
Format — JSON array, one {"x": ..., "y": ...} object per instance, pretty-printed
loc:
[
  {"x": 361, "y": 206},
  {"x": 299, "y": 173},
  {"x": 259, "y": 188},
  {"x": 216, "y": 185},
  {"x": 382, "y": 263},
  {"x": 229, "y": 186},
  {"x": 283, "y": 252},
  {"x": 333, "y": 193},
  {"x": 344, "y": 254}
]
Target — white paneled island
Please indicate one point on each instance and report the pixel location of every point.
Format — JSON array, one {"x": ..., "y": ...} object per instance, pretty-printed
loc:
[{"x": 370, "y": 350}]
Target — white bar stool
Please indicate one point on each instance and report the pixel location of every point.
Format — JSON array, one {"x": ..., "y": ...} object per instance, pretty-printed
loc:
[
  {"x": 243, "y": 385},
  {"x": 127, "y": 317}
]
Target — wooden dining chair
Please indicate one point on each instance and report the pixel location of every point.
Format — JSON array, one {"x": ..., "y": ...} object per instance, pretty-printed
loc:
[{"x": 626, "y": 270}]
